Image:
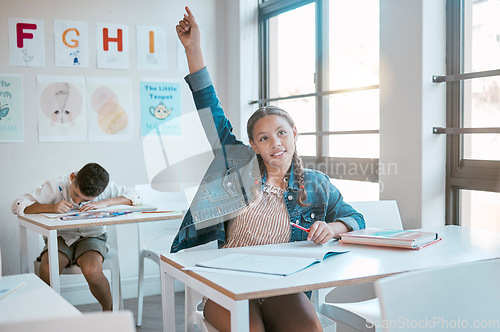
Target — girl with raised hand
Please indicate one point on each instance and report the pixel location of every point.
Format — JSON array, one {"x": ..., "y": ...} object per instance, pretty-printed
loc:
[{"x": 251, "y": 194}]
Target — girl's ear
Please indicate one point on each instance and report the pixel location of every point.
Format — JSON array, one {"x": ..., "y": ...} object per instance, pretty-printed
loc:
[
  {"x": 72, "y": 176},
  {"x": 295, "y": 134},
  {"x": 254, "y": 147}
]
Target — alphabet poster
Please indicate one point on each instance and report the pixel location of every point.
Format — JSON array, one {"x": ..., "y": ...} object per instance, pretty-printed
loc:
[
  {"x": 26, "y": 42},
  {"x": 151, "y": 48},
  {"x": 11, "y": 108},
  {"x": 61, "y": 113},
  {"x": 71, "y": 43},
  {"x": 109, "y": 103},
  {"x": 160, "y": 104},
  {"x": 112, "y": 46}
]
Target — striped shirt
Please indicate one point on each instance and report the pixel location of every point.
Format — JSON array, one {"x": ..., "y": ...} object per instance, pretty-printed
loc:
[{"x": 264, "y": 221}]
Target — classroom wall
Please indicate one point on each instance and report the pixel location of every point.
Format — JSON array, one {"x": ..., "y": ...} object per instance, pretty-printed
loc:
[{"x": 28, "y": 164}]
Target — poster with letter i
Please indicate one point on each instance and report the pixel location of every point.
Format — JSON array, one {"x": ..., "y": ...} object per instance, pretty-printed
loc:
[{"x": 11, "y": 108}]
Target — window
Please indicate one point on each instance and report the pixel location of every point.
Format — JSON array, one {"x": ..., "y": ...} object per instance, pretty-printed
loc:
[
  {"x": 319, "y": 61},
  {"x": 473, "y": 113}
]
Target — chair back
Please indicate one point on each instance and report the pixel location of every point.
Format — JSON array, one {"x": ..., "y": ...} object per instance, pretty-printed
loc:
[
  {"x": 462, "y": 296},
  {"x": 162, "y": 201},
  {"x": 379, "y": 214},
  {"x": 122, "y": 321}
]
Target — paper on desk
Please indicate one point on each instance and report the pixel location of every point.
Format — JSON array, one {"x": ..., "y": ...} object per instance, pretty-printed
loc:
[{"x": 230, "y": 272}]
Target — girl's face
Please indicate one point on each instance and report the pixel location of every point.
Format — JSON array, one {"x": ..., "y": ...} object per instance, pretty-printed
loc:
[{"x": 274, "y": 139}]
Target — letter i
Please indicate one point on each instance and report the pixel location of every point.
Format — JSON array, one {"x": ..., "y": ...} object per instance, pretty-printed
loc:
[{"x": 151, "y": 42}]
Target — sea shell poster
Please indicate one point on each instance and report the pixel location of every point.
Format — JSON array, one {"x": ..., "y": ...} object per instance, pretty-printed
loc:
[
  {"x": 11, "y": 108},
  {"x": 61, "y": 111},
  {"x": 109, "y": 102},
  {"x": 160, "y": 105},
  {"x": 71, "y": 43}
]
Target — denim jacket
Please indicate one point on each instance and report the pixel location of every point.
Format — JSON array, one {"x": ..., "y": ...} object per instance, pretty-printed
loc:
[{"x": 226, "y": 186}]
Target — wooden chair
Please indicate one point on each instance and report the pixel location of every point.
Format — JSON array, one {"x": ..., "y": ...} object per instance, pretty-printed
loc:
[
  {"x": 356, "y": 306},
  {"x": 111, "y": 263},
  {"x": 456, "y": 297},
  {"x": 122, "y": 321}
]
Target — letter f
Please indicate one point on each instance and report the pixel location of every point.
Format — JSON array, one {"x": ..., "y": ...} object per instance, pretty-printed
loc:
[{"x": 21, "y": 35}]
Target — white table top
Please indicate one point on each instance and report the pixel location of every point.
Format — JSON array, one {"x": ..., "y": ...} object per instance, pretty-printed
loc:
[
  {"x": 56, "y": 224},
  {"x": 361, "y": 264},
  {"x": 34, "y": 300}
]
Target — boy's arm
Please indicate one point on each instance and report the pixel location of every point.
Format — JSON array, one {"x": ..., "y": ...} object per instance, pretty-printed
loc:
[
  {"x": 46, "y": 198},
  {"x": 120, "y": 200},
  {"x": 61, "y": 207},
  {"x": 114, "y": 195}
]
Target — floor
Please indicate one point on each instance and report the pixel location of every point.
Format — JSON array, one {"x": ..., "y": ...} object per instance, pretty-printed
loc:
[{"x": 151, "y": 319}]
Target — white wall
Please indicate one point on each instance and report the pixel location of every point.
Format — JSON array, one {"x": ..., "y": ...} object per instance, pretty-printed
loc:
[
  {"x": 26, "y": 165},
  {"x": 412, "y": 49}
]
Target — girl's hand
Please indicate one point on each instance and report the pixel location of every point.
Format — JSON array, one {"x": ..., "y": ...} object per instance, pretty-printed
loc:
[
  {"x": 321, "y": 232},
  {"x": 188, "y": 31}
]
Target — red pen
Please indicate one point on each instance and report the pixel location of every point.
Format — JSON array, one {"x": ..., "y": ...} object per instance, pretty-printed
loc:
[{"x": 299, "y": 227}]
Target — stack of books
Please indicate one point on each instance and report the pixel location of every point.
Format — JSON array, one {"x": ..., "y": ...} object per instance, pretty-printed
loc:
[{"x": 408, "y": 239}]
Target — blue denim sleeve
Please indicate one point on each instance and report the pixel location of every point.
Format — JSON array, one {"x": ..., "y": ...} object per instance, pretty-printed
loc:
[
  {"x": 338, "y": 210},
  {"x": 199, "y": 80},
  {"x": 217, "y": 126}
]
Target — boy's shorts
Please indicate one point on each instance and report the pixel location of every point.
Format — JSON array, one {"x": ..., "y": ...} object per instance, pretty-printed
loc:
[{"x": 80, "y": 246}]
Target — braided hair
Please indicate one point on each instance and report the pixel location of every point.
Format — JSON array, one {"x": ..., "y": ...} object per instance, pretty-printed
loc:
[{"x": 298, "y": 169}]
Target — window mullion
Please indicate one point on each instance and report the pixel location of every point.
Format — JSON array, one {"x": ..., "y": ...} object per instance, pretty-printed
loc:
[{"x": 322, "y": 76}]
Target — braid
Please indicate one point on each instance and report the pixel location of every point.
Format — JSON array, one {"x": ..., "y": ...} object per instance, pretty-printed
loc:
[{"x": 298, "y": 171}]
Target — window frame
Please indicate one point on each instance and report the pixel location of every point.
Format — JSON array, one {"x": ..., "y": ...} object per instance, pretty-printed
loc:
[
  {"x": 461, "y": 173},
  {"x": 321, "y": 161}
]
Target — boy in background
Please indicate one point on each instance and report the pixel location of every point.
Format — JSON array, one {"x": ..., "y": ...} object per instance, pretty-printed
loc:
[{"x": 86, "y": 190}]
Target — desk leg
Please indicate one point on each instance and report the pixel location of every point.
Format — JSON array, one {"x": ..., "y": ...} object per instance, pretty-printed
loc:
[
  {"x": 23, "y": 243},
  {"x": 240, "y": 316},
  {"x": 167, "y": 301},
  {"x": 53, "y": 261}
]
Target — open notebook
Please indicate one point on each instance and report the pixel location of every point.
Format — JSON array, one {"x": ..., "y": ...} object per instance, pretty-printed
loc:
[{"x": 269, "y": 261}]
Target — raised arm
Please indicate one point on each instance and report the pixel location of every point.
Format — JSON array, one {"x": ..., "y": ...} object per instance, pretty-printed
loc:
[
  {"x": 218, "y": 128},
  {"x": 188, "y": 32}
]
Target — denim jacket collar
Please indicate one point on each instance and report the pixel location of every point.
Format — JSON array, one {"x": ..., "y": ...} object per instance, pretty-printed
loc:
[{"x": 292, "y": 184}]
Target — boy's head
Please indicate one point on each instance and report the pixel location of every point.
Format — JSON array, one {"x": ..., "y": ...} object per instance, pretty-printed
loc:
[{"x": 88, "y": 183}]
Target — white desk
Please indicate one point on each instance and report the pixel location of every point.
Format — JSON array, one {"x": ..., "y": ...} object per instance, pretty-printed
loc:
[
  {"x": 34, "y": 300},
  {"x": 49, "y": 227},
  {"x": 361, "y": 264}
]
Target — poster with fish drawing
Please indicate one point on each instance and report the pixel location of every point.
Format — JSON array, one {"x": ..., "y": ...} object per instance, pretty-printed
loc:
[
  {"x": 11, "y": 108},
  {"x": 62, "y": 112},
  {"x": 109, "y": 103},
  {"x": 160, "y": 105}
]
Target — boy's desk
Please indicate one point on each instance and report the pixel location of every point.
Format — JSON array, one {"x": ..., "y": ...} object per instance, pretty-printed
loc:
[
  {"x": 361, "y": 264},
  {"x": 49, "y": 226},
  {"x": 34, "y": 300}
]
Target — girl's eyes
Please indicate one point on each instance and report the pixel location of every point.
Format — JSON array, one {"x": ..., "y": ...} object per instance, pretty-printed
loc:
[
  {"x": 282, "y": 132},
  {"x": 263, "y": 138}
]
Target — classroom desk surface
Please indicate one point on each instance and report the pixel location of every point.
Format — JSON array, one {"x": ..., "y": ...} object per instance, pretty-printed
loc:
[
  {"x": 361, "y": 264},
  {"x": 34, "y": 300},
  {"x": 49, "y": 227}
]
